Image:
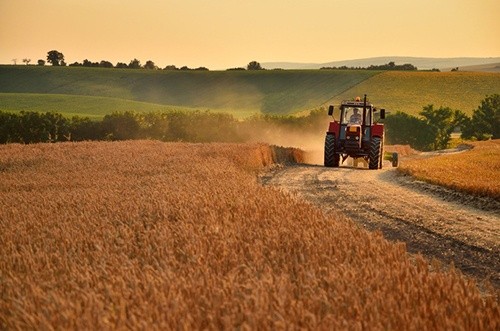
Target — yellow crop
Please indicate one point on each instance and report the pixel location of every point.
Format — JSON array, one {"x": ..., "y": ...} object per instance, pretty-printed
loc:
[
  {"x": 475, "y": 171},
  {"x": 150, "y": 235}
]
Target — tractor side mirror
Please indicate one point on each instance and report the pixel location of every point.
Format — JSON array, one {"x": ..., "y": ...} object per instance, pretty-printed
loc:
[
  {"x": 330, "y": 110},
  {"x": 382, "y": 113}
]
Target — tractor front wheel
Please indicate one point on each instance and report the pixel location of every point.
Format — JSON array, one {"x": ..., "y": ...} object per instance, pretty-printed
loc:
[
  {"x": 332, "y": 159},
  {"x": 375, "y": 153}
]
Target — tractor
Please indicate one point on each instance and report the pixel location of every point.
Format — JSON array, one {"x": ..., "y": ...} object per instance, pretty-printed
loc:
[{"x": 356, "y": 134}]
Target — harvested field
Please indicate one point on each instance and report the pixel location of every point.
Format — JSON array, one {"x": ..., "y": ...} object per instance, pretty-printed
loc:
[{"x": 150, "y": 235}]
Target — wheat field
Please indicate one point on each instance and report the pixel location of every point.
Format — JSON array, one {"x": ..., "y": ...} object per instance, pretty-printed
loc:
[
  {"x": 151, "y": 235},
  {"x": 475, "y": 171}
]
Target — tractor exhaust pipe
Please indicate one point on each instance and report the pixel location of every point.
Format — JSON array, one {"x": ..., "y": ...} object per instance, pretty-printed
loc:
[
  {"x": 364, "y": 105},
  {"x": 364, "y": 111}
]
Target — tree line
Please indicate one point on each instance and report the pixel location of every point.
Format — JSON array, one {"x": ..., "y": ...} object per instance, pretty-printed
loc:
[
  {"x": 430, "y": 131},
  {"x": 433, "y": 129},
  {"x": 188, "y": 126},
  {"x": 389, "y": 66},
  {"x": 56, "y": 58}
]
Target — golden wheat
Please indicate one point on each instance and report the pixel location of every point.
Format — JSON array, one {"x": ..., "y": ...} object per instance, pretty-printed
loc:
[
  {"x": 475, "y": 171},
  {"x": 150, "y": 235},
  {"x": 402, "y": 150}
]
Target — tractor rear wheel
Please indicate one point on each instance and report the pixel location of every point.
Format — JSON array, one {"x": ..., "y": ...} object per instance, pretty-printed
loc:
[
  {"x": 375, "y": 153},
  {"x": 332, "y": 159},
  {"x": 381, "y": 155}
]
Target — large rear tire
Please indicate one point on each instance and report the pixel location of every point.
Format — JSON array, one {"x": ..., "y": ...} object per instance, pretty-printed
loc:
[
  {"x": 381, "y": 155},
  {"x": 375, "y": 153},
  {"x": 332, "y": 159}
]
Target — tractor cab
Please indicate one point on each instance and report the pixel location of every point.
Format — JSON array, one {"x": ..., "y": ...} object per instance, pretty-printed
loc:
[{"x": 355, "y": 134}]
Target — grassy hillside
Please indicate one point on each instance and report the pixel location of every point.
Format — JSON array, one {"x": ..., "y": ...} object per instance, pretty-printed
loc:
[
  {"x": 97, "y": 91},
  {"x": 410, "y": 91},
  {"x": 70, "y": 105},
  {"x": 277, "y": 92}
]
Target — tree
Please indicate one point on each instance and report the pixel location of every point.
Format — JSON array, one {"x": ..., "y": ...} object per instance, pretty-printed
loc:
[
  {"x": 134, "y": 64},
  {"x": 27, "y": 61},
  {"x": 83, "y": 128},
  {"x": 9, "y": 128},
  {"x": 405, "y": 129},
  {"x": 14, "y": 61},
  {"x": 105, "y": 64},
  {"x": 57, "y": 127},
  {"x": 254, "y": 65},
  {"x": 32, "y": 128},
  {"x": 121, "y": 65},
  {"x": 120, "y": 126},
  {"x": 485, "y": 121},
  {"x": 41, "y": 62},
  {"x": 150, "y": 65},
  {"x": 170, "y": 67},
  {"x": 55, "y": 58},
  {"x": 442, "y": 121}
]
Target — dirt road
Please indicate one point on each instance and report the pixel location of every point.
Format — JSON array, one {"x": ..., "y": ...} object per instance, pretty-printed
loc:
[{"x": 433, "y": 221}]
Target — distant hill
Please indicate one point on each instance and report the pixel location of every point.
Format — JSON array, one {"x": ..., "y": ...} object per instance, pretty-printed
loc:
[
  {"x": 490, "y": 67},
  {"x": 422, "y": 63}
]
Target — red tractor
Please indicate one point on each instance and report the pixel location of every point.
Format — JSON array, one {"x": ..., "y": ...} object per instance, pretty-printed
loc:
[{"x": 356, "y": 134}]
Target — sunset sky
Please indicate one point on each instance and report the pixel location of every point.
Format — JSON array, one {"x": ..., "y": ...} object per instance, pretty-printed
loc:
[{"x": 221, "y": 34}]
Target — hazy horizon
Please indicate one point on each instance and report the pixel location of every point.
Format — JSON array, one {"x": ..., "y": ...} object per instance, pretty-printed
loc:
[{"x": 222, "y": 34}]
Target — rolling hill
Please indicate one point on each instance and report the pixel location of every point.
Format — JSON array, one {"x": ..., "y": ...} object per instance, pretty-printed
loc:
[
  {"x": 95, "y": 92},
  {"x": 276, "y": 92},
  {"x": 94, "y": 107},
  {"x": 410, "y": 91},
  {"x": 489, "y": 67}
]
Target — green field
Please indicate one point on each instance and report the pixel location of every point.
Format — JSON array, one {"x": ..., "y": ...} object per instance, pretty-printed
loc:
[
  {"x": 84, "y": 106},
  {"x": 275, "y": 92},
  {"x": 410, "y": 91},
  {"x": 95, "y": 92}
]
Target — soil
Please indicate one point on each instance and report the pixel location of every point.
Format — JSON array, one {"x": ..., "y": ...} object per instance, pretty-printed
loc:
[{"x": 442, "y": 224}]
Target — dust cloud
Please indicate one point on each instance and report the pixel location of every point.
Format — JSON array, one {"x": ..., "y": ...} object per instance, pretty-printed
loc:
[{"x": 311, "y": 143}]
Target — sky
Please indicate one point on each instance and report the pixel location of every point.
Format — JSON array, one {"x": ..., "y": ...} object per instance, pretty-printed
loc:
[{"x": 222, "y": 34}]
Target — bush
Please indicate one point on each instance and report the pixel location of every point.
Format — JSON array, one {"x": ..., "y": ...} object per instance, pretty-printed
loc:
[
  {"x": 485, "y": 121},
  {"x": 404, "y": 129}
]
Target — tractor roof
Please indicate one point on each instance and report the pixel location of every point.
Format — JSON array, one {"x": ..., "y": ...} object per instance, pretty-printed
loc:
[{"x": 355, "y": 104}]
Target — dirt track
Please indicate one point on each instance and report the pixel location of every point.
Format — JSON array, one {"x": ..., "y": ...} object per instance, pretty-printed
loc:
[{"x": 433, "y": 221}]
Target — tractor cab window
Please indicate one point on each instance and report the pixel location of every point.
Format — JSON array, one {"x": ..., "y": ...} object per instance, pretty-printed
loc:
[
  {"x": 368, "y": 120},
  {"x": 352, "y": 115}
]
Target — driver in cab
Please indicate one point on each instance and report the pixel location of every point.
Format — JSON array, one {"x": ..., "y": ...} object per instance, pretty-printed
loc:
[{"x": 355, "y": 117}]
